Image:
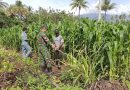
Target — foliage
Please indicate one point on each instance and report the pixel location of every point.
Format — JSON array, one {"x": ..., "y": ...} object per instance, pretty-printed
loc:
[
  {"x": 67, "y": 87},
  {"x": 104, "y": 44},
  {"x": 78, "y": 4},
  {"x": 107, "y": 5},
  {"x": 3, "y": 4},
  {"x": 96, "y": 51},
  {"x": 6, "y": 21},
  {"x": 18, "y": 10},
  {"x": 21, "y": 74}
]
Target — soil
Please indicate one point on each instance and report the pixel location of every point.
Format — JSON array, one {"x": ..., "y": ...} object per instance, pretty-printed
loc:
[
  {"x": 55, "y": 70},
  {"x": 107, "y": 85},
  {"x": 8, "y": 78},
  {"x": 99, "y": 85}
]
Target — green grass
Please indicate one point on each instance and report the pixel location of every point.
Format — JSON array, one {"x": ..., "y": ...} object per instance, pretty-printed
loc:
[{"x": 100, "y": 51}]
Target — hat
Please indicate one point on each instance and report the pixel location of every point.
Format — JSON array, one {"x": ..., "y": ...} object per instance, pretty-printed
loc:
[{"x": 44, "y": 26}]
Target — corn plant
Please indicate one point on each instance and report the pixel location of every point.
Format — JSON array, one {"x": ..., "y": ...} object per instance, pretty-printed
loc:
[{"x": 104, "y": 46}]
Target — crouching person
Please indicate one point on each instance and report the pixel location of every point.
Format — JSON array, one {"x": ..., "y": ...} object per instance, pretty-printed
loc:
[
  {"x": 43, "y": 52},
  {"x": 26, "y": 49}
]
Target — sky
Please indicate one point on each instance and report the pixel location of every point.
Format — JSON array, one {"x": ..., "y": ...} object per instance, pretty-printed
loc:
[{"x": 122, "y": 6}]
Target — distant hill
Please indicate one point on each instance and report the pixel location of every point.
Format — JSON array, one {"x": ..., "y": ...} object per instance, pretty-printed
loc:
[{"x": 95, "y": 16}]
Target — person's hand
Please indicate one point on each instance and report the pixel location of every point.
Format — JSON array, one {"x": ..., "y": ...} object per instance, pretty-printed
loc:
[
  {"x": 46, "y": 39},
  {"x": 53, "y": 46},
  {"x": 56, "y": 48}
]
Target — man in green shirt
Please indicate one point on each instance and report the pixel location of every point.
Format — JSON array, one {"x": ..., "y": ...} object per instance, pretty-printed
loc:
[{"x": 43, "y": 51}]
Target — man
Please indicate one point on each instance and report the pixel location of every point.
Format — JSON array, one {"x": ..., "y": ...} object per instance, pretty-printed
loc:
[
  {"x": 43, "y": 51},
  {"x": 59, "y": 46},
  {"x": 26, "y": 49}
]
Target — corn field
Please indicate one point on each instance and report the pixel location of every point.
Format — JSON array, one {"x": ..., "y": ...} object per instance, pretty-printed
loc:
[{"x": 96, "y": 50}]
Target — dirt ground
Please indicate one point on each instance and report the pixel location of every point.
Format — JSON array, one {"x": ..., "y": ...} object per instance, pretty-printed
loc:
[
  {"x": 107, "y": 85},
  {"x": 8, "y": 78},
  {"x": 99, "y": 85},
  {"x": 55, "y": 70}
]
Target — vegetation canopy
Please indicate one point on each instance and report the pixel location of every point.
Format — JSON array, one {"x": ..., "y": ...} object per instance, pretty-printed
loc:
[{"x": 97, "y": 52}]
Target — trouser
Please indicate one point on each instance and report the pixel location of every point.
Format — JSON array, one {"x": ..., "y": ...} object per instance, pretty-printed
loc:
[
  {"x": 46, "y": 66},
  {"x": 26, "y": 49},
  {"x": 45, "y": 58},
  {"x": 58, "y": 58}
]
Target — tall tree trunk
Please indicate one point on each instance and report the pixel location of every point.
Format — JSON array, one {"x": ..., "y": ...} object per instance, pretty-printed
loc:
[
  {"x": 105, "y": 15},
  {"x": 79, "y": 16},
  {"x": 99, "y": 13}
]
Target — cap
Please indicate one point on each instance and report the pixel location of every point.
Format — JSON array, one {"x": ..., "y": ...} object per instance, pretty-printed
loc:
[{"x": 44, "y": 26}]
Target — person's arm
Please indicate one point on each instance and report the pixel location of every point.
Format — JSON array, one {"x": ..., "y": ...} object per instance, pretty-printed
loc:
[{"x": 47, "y": 41}]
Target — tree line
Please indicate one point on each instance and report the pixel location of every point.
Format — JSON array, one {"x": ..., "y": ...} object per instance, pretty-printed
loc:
[{"x": 11, "y": 15}]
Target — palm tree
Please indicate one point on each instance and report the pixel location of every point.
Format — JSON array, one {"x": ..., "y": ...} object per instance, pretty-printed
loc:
[
  {"x": 42, "y": 11},
  {"x": 30, "y": 8},
  {"x": 19, "y": 3},
  {"x": 3, "y": 4},
  {"x": 19, "y": 10},
  {"x": 78, "y": 4},
  {"x": 107, "y": 5}
]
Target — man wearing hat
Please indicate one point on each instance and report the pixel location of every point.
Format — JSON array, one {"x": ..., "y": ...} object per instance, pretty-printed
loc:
[{"x": 43, "y": 51}]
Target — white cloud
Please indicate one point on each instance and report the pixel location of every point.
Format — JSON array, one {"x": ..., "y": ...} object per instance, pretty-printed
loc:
[
  {"x": 90, "y": 9},
  {"x": 119, "y": 9}
]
